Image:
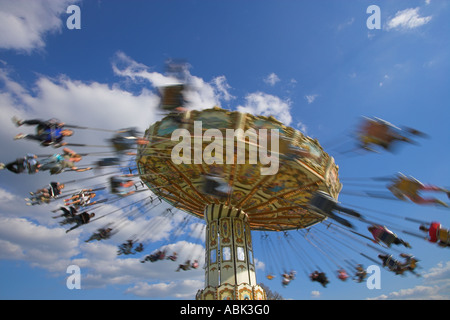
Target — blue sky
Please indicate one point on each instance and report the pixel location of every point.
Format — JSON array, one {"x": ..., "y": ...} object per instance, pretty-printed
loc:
[{"x": 312, "y": 64}]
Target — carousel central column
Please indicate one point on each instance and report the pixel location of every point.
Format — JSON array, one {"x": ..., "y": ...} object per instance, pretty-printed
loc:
[{"x": 230, "y": 269}]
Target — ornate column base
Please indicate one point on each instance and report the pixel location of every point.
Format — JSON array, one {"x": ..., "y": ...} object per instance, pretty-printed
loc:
[
  {"x": 230, "y": 270},
  {"x": 232, "y": 292}
]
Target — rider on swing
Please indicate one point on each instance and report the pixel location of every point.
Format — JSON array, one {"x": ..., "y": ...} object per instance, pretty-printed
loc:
[{"x": 408, "y": 187}]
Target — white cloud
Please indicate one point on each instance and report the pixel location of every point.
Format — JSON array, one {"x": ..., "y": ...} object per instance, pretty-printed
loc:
[
  {"x": 38, "y": 239},
  {"x": 260, "y": 103},
  {"x": 311, "y": 98},
  {"x": 346, "y": 24},
  {"x": 199, "y": 94},
  {"x": 301, "y": 126},
  {"x": 386, "y": 78},
  {"x": 185, "y": 289},
  {"x": 435, "y": 286},
  {"x": 7, "y": 197},
  {"x": 222, "y": 88},
  {"x": 103, "y": 267},
  {"x": 259, "y": 265},
  {"x": 91, "y": 104},
  {"x": 24, "y": 24},
  {"x": 45, "y": 247},
  {"x": 315, "y": 294},
  {"x": 271, "y": 79},
  {"x": 126, "y": 67},
  {"x": 440, "y": 273},
  {"x": 418, "y": 293},
  {"x": 407, "y": 19}
]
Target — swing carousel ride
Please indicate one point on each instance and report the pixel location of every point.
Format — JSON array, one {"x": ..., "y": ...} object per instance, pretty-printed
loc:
[
  {"x": 234, "y": 197},
  {"x": 239, "y": 176}
]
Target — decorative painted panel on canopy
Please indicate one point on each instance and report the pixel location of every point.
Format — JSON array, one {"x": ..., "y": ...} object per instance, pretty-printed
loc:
[{"x": 234, "y": 147}]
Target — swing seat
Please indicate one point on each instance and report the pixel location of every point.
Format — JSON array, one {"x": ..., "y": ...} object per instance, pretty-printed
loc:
[
  {"x": 105, "y": 162},
  {"x": 360, "y": 276},
  {"x": 444, "y": 236},
  {"x": 122, "y": 144},
  {"x": 172, "y": 97},
  {"x": 412, "y": 264},
  {"x": 184, "y": 267},
  {"x": 285, "y": 282},
  {"x": 323, "y": 203},
  {"x": 387, "y": 238},
  {"x": 215, "y": 186},
  {"x": 391, "y": 263}
]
